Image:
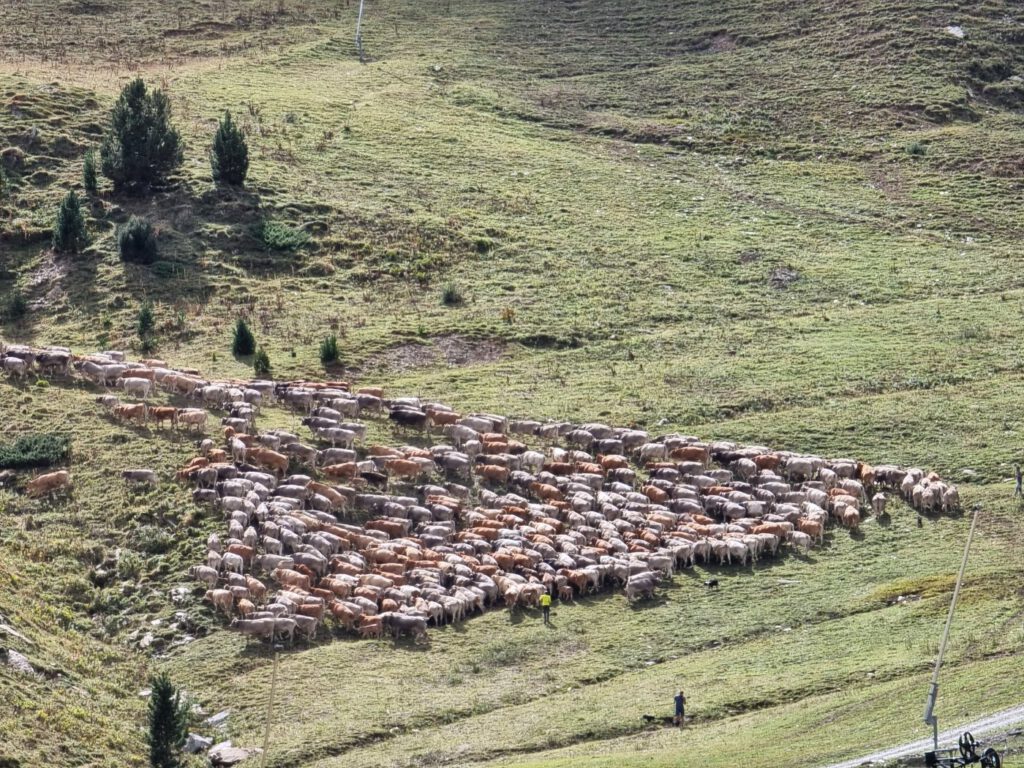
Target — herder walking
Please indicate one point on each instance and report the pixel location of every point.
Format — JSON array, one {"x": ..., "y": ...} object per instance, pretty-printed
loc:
[
  {"x": 680, "y": 709},
  {"x": 1019, "y": 488},
  {"x": 545, "y": 606}
]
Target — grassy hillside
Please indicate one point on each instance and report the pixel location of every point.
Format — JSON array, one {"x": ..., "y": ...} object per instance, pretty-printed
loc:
[{"x": 793, "y": 225}]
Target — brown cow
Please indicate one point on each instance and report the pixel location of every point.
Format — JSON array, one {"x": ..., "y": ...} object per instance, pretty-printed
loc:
[
  {"x": 291, "y": 578},
  {"x": 441, "y": 418},
  {"x": 346, "y": 470},
  {"x": 812, "y": 528},
  {"x": 162, "y": 413},
  {"x": 546, "y": 492},
  {"x": 344, "y": 616},
  {"x": 402, "y": 468},
  {"x": 655, "y": 494},
  {"x": 614, "y": 461},
  {"x": 493, "y": 473},
  {"x": 770, "y": 461},
  {"x": 371, "y": 626},
  {"x": 384, "y": 450},
  {"x": 691, "y": 453}
]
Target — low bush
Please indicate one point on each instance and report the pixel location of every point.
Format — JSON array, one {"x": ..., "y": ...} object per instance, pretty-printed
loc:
[
  {"x": 152, "y": 540},
  {"x": 89, "y": 172},
  {"x": 35, "y": 451},
  {"x": 261, "y": 362},
  {"x": 275, "y": 236},
  {"x": 136, "y": 241},
  {"x": 329, "y": 350},
  {"x": 451, "y": 296},
  {"x": 69, "y": 235},
  {"x": 16, "y": 306}
]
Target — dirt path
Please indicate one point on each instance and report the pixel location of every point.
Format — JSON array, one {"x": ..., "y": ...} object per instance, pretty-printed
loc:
[{"x": 947, "y": 738}]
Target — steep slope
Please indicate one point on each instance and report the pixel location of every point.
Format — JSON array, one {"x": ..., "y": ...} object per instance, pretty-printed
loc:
[{"x": 785, "y": 224}]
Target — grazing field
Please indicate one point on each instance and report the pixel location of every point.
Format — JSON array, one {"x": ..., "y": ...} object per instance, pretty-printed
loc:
[{"x": 785, "y": 225}]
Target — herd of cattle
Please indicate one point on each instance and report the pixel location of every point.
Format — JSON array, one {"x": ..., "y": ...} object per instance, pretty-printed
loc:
[{"x": 500, "y": 511}]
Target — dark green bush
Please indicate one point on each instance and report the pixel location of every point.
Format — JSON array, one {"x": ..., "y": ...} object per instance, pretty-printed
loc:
[
  {"x": 451, "y": 296},
  {"x": 136, "y": 241},
  {"x": 89, "y": 172},
  {"x": 168, "y": 723},
  {"x": 141, "y": 147},
  {"x": 35, "y": 451},
  {"x": 146, "y": 321},
  {"x": 917, "y": 149},
  {"x": 244, "y": 343},
  {"x": 69, "y": 233},
  {"x": 329, "y": 350},
  {"x": 16, "y": 306},
  {"x": 229, "y": 157},
  {"x": 276, "y": 236},
  {"x": 153, "y": 540},
  {"x": 261, "y": 362}
]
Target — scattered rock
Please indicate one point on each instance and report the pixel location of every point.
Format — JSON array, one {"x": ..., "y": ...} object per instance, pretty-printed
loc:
[
  {"x": 224, "y": 754},
  {"x": 147, "y": 640},
  {"x": 8, "y": 630},
  {"x": 783, "y": 277},
  {"x": 180, "y": 595},
  {"x": 956, "y": 31},
  {"x": 219, "y": 719},
  {"x": 17, "y": 661},
  {"x": 196, "y": 743}
]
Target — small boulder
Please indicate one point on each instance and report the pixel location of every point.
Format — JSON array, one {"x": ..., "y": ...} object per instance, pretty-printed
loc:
[
  {"x": 224, "y": 754},
  {"x": 219, "y": 719},
  {"x": 196, "y": 743}
]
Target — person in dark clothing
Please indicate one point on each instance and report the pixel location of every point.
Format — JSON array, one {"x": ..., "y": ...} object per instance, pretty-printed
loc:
[
  {"x": 680, "y": 709},
  {"x": 1019, "y": 489}
]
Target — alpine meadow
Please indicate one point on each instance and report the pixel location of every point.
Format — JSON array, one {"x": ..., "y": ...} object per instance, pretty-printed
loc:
[{"x": 572, "y": 297}]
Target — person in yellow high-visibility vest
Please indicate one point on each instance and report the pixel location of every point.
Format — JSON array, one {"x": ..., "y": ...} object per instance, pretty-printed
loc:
[{"x": 545, "y": 606}]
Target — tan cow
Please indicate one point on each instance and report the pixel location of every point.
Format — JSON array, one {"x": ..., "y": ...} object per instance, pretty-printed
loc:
[
  {"x": 131, "y": 412},
  {"x": 221, "y": 599},
  {"x": 265, "y": 457},
  {"x": 48, "y": 484}
]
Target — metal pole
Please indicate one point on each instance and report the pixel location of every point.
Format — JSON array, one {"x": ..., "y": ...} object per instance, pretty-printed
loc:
[
  {"x": 270, "y": 711},
  {"x": 359, "y": 31},
  {"x": 933, "y": 692}
]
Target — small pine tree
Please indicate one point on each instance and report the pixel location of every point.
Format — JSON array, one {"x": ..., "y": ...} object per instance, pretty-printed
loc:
[
  {"x": 146, "y": 322},
  {"x": 17, "y": 305},
  {"x": 69, "y": 233},
  {"x": 329, "y": 350},
  {"x": 168, "y": 723},
  {"x": 229, "y": 157},
  {"x": 141, "y": 147},
  {"x": 89, "y": 172},
  {"x": 244, "y": 342},
  {"x": 136, "y": 241},
  {"x": 261, "y": 362}
]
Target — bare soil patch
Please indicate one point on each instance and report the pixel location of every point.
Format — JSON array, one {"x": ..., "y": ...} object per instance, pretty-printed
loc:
[{"x": 453, "y": 351}]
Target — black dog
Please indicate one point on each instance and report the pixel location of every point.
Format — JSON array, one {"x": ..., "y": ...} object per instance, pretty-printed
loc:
[{"x": 711, "y": 583}]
